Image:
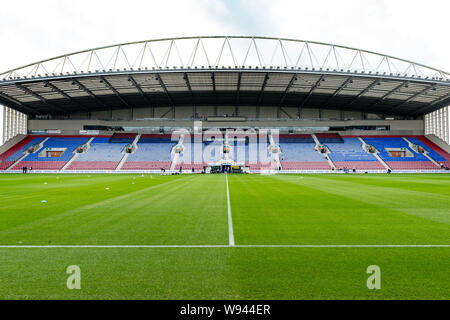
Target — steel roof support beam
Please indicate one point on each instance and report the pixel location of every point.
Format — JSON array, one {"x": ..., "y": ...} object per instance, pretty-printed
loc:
[
  {"x": 263, "y": 87},
  {"x": 291, "y": 83},
  {"x": 163, "y": 86},
  {"x": 424, "y": 91},
  {"x": 261, "y": 94},
  {"x": 342, "y": 87},
  {"x": 45, "y": 101},
  {"x": 167, "y": 112},
  {"x": 373, "y": 84},
  {"x": 404, "y": 84},
  {"x": 433, "y": 103},
  {"x": 238, "y": 88},
  {"x": 238, "y": 92},
  {"x": 89, "y": 92},
  {"x": 65, "y": 95},
  {"x": 299, "y": 112},
  {"x": 439, "y": 100},
  {"x": 188, "y": 85},
  {"x": 213, "y": 78},
  {"x": 314, "y": 87},
  {"x": 284, "y": 111},
  {"x": 6, "y": 98},
  {"x": 141, "y": 92},
  {"x": 111, "y": 87}
]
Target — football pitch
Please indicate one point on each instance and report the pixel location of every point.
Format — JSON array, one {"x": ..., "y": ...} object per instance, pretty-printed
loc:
[{"x": 225, "y": 237}]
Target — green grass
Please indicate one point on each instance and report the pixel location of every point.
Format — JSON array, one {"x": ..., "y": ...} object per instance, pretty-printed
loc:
[{"x": 192, "y": 210}]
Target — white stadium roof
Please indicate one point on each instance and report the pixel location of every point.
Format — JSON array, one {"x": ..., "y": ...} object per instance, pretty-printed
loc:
[{"x": 225, "y": 71}]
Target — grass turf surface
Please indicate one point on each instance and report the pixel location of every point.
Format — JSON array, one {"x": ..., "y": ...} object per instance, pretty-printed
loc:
[{"x": 192, "y": 210}]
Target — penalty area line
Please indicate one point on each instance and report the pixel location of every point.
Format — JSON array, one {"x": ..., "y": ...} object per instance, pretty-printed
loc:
[{"x": 216, "y": 246}]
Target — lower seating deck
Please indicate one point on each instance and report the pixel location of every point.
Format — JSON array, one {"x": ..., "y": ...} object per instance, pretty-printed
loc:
[
  {"x": 298, "y": 153},
  {"x": 154, "y": 152},
  {"x": 387, "y": 145}
]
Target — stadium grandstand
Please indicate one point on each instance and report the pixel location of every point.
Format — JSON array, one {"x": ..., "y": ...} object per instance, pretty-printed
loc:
[{"x": 254, "y": 103}]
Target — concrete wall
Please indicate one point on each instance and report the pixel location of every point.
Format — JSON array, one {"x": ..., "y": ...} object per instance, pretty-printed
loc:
[
  {"x": 11, "y": 142},
  {"x": 187, "y": 112},
  {"x": 441, "y": 143},
  {"x": 411, "y": 126}
]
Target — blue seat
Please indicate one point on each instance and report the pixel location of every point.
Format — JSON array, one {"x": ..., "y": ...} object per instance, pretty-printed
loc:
[
  {"x": 381, "y": 143},
  {"x": 101, "y": 150},
  {"x": 70, "y": 144},
  {"x": 433, "y": 154},
  {"x": 300, "y": 152},
  {"x": 349, "y": 151},
  {"x": 17, "y": 155}
]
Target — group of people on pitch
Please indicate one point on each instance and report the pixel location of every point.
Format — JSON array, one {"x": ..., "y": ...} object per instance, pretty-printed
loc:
[{"x": 25, "y": 169}]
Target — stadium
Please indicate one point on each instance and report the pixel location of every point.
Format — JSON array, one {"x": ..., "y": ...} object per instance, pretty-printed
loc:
[{"x": 225, "y": 167}]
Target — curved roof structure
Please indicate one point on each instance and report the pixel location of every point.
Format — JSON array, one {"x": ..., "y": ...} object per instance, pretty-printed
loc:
[{"x": 226, "y": 71}]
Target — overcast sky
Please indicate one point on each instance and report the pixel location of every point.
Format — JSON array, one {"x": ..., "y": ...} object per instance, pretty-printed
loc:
[{"x": 416, "y": 30}]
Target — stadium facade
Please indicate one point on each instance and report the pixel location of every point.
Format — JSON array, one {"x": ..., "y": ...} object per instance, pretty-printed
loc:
[{"x": 316, "y": 95}]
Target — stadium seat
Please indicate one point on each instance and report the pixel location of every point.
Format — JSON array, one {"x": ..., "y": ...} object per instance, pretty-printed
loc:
[
  {"x": 350, "y": 154},
  {"x": 102, "y": 155},
  {"x": 17, "y": 151},
  {"x": 329, "y": 138},
  {"x": 38, "y": 162},
  {"x": 416, "y": 162},
  {"x": 153, "y": 153},
  {"x": 298, "y": 153}
]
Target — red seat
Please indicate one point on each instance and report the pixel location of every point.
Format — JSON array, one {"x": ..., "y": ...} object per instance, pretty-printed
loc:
[
  {"x": 93, "y": 165},
  {"x": 306, "y": 166},
  {"x": 145, "y": 165},
  {"x": 40, "y": 165},
  {"x": 360, "y": 165},
  {"x": 412, "y": 165}
]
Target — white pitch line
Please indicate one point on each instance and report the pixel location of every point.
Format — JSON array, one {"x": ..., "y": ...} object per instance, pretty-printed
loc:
[
  {"x": 220, "y": 246},
  {"x": 230, "y": 220}
]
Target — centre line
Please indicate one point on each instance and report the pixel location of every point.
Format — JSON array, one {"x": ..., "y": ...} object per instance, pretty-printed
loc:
[{"x": 230, "y": 220}]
